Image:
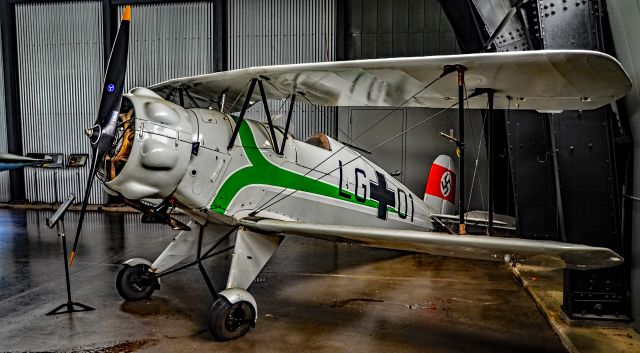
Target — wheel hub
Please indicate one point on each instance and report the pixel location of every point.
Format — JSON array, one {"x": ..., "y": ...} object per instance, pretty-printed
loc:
[{"x": 236, "y": 318}]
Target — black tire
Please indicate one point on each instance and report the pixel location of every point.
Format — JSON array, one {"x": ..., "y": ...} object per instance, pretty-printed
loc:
[
  {"x": 130, "y": 283},
  {"x": 230, "y": 321}
]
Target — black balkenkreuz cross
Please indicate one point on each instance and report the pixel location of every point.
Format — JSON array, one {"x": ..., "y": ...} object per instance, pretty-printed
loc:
[{"x": 384, "y": 196}]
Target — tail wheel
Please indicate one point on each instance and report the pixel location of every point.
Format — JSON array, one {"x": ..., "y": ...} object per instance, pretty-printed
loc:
[
  {"x": 133, "y": 284},
  {"x": 230, "y": 321}
]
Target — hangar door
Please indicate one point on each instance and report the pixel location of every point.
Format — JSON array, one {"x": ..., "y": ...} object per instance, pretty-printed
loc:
[{"x": 60, "y": 65}]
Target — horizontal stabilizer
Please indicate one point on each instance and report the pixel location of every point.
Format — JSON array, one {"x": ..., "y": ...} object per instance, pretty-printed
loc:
[
  {"x": 479, "y": 218},
  {"x": 11, "y": 161},
  {"x": 573, "y": 256}
]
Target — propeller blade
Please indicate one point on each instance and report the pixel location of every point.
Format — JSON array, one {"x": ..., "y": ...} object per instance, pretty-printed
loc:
[{"x": 102, "y": 133}]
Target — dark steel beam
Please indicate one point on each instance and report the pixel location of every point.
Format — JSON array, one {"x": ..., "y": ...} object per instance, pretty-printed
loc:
[
  {"x": 221, "y": 42},
  {"x": 109, "y": 28},
  {"x": 464, "y": 19},
  {"x": 11, "y": 94},
  {"x": 340, "y": 31}
]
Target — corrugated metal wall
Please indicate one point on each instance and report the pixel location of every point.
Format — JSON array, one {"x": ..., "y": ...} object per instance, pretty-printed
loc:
[
  {"x": 170, "y": 41},
  {"x": 4, "y": 177},
  {"x": 275, "y": 32},
  {"x": 60, "y": 58}
]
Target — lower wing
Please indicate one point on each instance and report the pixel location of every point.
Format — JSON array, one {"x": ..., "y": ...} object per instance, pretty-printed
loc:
[{"x": 573, "y": 256}]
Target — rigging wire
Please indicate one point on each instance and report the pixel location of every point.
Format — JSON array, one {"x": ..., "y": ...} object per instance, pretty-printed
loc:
[
  {"x": 398, "y": 107},
  {"x": 238, "y": 96},
  {"x": 475, "y": 169},
  {"x": 270, "y": 202},
  {"x": 513, "y": 179},
  {"x": 260, "y": 208}
]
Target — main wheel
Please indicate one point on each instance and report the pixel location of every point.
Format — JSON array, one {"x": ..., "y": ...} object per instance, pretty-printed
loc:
[
  {"x": 230, "y": 321},
  {"x": 133, "y": 284}
]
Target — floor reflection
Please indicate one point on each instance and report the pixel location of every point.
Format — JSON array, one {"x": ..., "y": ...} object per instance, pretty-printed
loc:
[
  {"x": 312, "y": 294},
  {"x": 30, "y": 252}
]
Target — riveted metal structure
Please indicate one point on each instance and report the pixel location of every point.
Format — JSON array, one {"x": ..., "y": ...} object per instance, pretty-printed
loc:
[
  {"x": 60, "y": 73},
  {"x": 274, "y": 32},
  {"x": 623, "y": 17},
  {"x": 563, "y": 163},
  {"x": 589, "y": 158}
]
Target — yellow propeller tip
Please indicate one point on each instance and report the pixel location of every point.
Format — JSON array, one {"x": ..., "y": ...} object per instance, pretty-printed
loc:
[
  {"x": 126, "y": 15},
  {"x": 73, "y": 253}
]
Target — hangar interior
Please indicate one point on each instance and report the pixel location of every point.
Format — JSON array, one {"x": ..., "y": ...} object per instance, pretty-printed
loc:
[{"x": 565, "y": 176}]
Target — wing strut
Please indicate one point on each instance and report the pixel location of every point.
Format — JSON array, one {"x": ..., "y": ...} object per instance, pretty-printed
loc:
[
  {"x": 286, "y": 127},
  {"x": 193, "y": 101},
  {"x": 490, "y": 94},
  {"x": 263, "y": 97},
  {"x": 460, "y": 69},
  {"x": 236, "y": 129},
  {"x": 268, "y": 114}
]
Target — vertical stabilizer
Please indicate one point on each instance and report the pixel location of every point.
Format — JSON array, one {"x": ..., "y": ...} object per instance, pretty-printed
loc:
[{"x": 440, "y": 194}]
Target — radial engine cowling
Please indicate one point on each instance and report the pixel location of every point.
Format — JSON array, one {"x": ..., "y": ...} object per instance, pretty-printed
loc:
[{"x": 153, "y": 150}]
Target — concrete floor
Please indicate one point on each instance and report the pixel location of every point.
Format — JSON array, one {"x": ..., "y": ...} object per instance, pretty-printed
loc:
[{"x": 313, "y": 296}]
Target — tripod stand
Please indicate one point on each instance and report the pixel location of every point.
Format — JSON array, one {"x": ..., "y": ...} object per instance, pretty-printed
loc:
[{"x": 57, "y": 220}]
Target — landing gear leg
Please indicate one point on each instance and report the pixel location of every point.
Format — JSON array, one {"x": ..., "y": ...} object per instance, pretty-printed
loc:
[{"x": 235, "y": 310}]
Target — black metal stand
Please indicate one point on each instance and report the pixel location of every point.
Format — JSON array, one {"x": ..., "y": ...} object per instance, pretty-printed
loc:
[
  {"x": 70, "y": 306},
  {"x": 55, "y": 185}
]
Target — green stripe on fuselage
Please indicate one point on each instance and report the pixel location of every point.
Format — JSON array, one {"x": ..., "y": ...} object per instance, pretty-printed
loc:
[{"x": 261, "y": 171}]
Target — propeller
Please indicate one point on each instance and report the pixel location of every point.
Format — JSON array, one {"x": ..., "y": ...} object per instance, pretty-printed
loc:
[{"x": 102, "y": 134}]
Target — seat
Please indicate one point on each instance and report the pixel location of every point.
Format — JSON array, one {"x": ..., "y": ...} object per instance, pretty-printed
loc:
[{"x": 319, "y": 140}]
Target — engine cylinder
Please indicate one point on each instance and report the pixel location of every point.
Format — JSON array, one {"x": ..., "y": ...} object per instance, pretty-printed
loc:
[{"x": 154, "y": 150}]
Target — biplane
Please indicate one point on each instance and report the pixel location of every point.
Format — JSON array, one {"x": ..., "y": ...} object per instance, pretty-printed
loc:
[{"x": 252, "y": 180}]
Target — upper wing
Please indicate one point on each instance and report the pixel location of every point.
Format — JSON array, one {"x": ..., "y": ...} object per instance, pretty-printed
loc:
[
  {"x": 540, "y": 80},
  {"x": 574, "y": 256}
]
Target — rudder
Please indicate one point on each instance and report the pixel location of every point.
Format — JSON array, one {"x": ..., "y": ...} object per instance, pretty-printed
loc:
[{"x": 440, "y": 193}]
